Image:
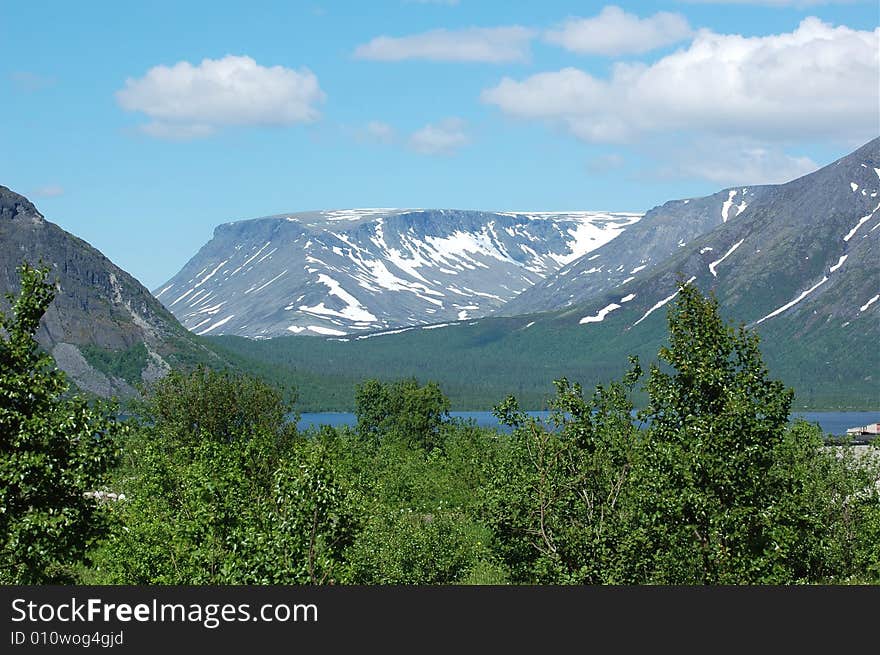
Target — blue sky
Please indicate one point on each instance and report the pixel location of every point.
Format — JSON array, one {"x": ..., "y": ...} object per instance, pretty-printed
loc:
[{"x": 139, "y": 127}]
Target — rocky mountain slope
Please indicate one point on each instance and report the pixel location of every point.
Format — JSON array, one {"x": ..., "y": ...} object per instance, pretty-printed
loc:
[
  {"x": 800, "y": 265},
  {"x": 805, "y": 253},
  {"x": 660, "y": 234},
  {"x": 344, "y": 271},
  {"x": 103, "y": 327}
]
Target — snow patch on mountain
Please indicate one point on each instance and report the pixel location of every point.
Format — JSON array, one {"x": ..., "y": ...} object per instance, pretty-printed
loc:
[
  {"x": 838, "y": 264},
  {"x": 214, "y": 326},
  {"x": 714, "y": 265},
  {"x": 600, "y": 316},
  {"x": 873, "y": 299},
  {"x": 792, "y": 303},
  {"x": 862, "y": 220},
  {"x": 663, "y": 302}
]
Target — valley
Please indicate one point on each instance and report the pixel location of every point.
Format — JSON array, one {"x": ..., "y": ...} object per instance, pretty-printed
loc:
[{"x": 485, "y": 303}]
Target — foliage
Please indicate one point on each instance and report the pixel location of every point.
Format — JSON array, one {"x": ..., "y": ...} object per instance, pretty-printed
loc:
[
  {"x": 127, "y": 364},
  {"x": 188, "y": 407},
  {"x": 718, "y": 489},
  {"x": 560, "y": 501},
  {"x": 824, "y": 526},
  {"x": 419, "y": 476},
  {"x": 401, "y": 410},
  {"x": 238, "y": 499},
  {"x": 236, "y": 513},
  {"x": 54, "y": 450},
  {"x": 404, "y": 546}
]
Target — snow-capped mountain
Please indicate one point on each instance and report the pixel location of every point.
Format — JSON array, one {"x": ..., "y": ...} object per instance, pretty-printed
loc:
[
  {"x": 806, "y": 249},
  {"x": 341, "y": 271},
  {"x": 662, "y": 232},
  {"x": 800, "y": 266}
]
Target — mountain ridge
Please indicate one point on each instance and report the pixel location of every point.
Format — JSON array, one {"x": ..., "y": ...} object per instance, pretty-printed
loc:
[
  {"x": 333, "y": 272},
  {"x": 99, "y": 312},
  {"x": 765, "y": 266}
]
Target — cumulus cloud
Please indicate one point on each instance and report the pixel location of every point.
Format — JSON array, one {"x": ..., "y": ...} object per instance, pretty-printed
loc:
[
  {"x": 49, "y": 191},
  {"x": 442, "y": 138},
  {"x": 377, "y": 132},
  {"x": 733, "y": 161},
  {"x": 616, "y": 32},
  {"x": 187, "y": 101},
  {"x": 817, "y": 81},
  {"x": 478, "y": 44}
]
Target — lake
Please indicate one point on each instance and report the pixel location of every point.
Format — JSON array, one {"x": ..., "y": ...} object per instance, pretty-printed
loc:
[{"x": 835, "y": 423}]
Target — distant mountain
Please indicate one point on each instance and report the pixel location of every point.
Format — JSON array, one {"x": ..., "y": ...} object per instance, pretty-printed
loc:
[
  {"x": 660, "y": 234},
  {"x": 800, "y": 264},
  {"x": 344, "y": 271},
  {"x": 668, "y": 232},
  {"x": 805, "y": 252},
  {"x": 103, "y": 327}
]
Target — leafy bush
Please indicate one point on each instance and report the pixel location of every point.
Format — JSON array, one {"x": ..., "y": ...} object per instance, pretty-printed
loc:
[
  {"x": 401, "y": 410},
  {"x": 407, "y": 547},
  {"x": 188, "y": 407},
  {"x": 54, "y": 450}
]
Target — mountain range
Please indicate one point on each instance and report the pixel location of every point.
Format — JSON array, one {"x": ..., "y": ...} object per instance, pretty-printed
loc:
[
  {"x": 796, "y": 262},
  {"x": 357, "y": 270},
  {"x": 486, "y": 303}
]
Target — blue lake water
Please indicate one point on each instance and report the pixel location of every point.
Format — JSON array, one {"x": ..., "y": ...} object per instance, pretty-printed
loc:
[{"x": 835, "y": 423}]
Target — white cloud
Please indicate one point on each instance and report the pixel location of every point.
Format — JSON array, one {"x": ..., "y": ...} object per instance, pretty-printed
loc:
[
  {"x": 818, "y": 81},
  {"x": 378, "y": 131},
  {"x": 186, "y": 101},
  {"x": 442, "y": 138},
  {"x": 480, "y": 44},
  {"x": 49, "y": 191},
  {"x": 615, "y": 32},
  {"x": 732, "y": 162}
]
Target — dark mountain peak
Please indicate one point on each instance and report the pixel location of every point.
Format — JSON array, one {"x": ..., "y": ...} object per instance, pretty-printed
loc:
[
  {"x": 100, "y": 314},
  {"x": 14, "y": 205}
]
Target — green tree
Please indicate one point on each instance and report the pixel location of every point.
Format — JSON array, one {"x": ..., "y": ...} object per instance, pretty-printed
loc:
[
  {"x": 717, "y": 421},
  {"x": 717, "y": 489},
  {"x": 221, "y": 489},
  {"x": 405, "y": 546},
  {"x": 824, "y": 526},
  {"x": 54, "y": 449},
  {"x": 231, "y": 513},
  {"x": 188, "y": 407},
  {"x": 402, "y": 410},
  {"x": 560, "y": 501}
]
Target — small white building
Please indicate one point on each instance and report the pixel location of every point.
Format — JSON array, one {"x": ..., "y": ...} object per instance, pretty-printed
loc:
[{"x": 870, "y": 429}]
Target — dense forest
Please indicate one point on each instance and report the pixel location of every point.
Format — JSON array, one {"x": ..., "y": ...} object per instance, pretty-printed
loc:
[{"x": 209, "y": 482}]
